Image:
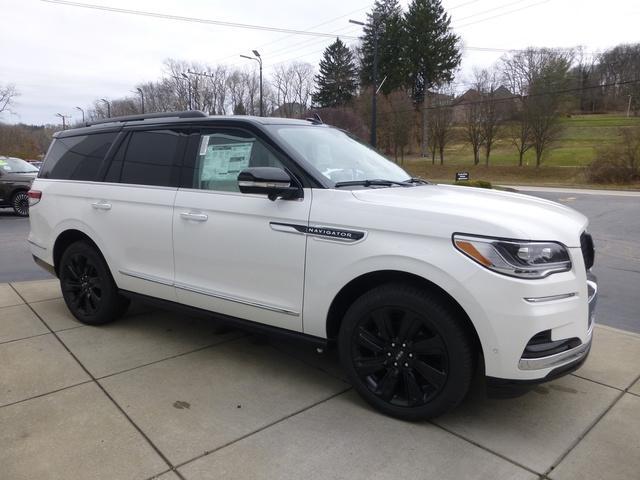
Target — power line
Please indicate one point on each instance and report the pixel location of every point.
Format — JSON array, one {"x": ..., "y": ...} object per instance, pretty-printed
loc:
[
  {"x": 520, "y": 97},
  {"x": 180, "y": 18},
  {"x": 499, "y": 7},
  {"x": 502, "y": 14}
]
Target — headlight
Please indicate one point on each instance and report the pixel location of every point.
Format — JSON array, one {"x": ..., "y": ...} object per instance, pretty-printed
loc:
[{"x": 515, "y": 258}]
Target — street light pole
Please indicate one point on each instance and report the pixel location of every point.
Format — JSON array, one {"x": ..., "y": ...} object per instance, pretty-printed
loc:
[
  {"x": 257, "y": 58},
  {"x": 64, "y": 120},
  {"x": 141, "y": 98},
  {"x": 82, "y": 111},
  {"x": 374, "y": 92},
  {"x": 108, "y": 106}
]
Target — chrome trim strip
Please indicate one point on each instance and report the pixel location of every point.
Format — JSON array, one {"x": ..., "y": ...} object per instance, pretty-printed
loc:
[
  {"x": 222, "y": 296},
  {"x": 109, "y": 184},
  {"x": 551, "y": 298},
  {"x": 594, "y": 286},
  {"x": 209, "y": 293},
  {"x": 556, "y": 360},
  {"x": 36, "y": 245},
  {"x": 259, "y": 184},
  {"x": 281, "y": 227},
  {"x": 149, "y": 278}
]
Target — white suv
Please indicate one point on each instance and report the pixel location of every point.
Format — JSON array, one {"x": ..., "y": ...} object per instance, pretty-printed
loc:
[{"x": 292, "y": 226}]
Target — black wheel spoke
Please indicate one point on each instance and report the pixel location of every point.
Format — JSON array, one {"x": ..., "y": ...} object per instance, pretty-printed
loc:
[
  {"x": 433, "y": 376},
  {"x": 414, "y": 392},
  {"x": 429, "y": 346},
  {"x": 73, "y": 271},
  {"x": 369, "y": 366},
  {"x": 382, "y": 322},
  {"x": 409, "y": 326},
  {"x": 388, "y": 384},
  {"x": 369, "y": 341}
]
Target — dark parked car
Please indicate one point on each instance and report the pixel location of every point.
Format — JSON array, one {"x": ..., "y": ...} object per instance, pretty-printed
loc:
[{"x": 16, "y": 177}]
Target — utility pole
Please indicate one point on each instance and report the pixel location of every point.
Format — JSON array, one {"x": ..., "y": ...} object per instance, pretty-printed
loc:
[
  {"x": 108, "y": 106},
  {"x": 189, "y": 88},
  {"x": 64, "y": 120},
  {"x": 629, "y": 106},
  {"x": 374, "y": 90},
  {"x": 141, "y": 98},
  {"x": 82, "y": 111},
  {"x": 257, "y": 58}
]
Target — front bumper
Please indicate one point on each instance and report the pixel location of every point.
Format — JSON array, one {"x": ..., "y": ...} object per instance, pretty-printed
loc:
[{"x": 572, "y": 354}]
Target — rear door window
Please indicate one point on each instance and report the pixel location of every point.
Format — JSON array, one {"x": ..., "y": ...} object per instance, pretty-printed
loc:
[
  {"x": 77, "y": 158},
  {"x": 152, "y": 158}
]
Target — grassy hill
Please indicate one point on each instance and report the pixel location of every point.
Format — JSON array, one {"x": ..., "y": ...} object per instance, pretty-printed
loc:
[{"x": 563, "y": 164}]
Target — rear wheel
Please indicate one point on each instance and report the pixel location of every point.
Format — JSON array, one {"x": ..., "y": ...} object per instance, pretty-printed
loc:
[
  {"x": 405, "y": 352},
  {"x": 88, "y": 287},
  {"x": 20, "y": 203}
]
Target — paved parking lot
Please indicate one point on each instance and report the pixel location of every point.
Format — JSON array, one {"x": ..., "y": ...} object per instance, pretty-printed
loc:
[{"x": 157, "y": 395}]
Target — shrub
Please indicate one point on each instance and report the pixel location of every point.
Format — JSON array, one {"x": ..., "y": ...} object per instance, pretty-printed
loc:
[
  {"x": 475, "y": 183},
  {"x": 619, "y": 163}
]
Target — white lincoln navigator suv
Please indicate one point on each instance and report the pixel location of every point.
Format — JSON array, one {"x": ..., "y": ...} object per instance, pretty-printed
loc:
[{"x": 294, "y": 227}]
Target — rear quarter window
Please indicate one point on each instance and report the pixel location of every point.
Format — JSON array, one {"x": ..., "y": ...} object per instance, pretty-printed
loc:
[{"x": 77, "y": 158}]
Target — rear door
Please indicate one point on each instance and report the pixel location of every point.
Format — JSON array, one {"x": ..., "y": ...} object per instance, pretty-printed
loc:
[
  {"x": 132, "y": 213},
  {"x": 234, "y": 252}
]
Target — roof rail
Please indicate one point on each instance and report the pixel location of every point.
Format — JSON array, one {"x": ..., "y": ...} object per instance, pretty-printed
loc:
[{"x": 145, "y": 116}]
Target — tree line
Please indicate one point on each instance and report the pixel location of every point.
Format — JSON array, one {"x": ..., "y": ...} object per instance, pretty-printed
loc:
[{"x": 423, "y": 106}]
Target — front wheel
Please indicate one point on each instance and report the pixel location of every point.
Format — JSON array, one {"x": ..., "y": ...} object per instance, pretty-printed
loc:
[
  {"x": 20, "y": 203},
  {"x": 405, "y": 352},
  {"x": 88, "y": 287}
]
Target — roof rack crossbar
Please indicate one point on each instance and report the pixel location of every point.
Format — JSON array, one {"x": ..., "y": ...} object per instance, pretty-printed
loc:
[{"x": 145, "y": 116}]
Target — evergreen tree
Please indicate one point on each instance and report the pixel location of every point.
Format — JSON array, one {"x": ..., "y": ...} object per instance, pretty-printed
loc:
[
  {"x": 337, "y": 80},
  {"x": 386, "y": 16},
  {"x": 433, "y": 53}
]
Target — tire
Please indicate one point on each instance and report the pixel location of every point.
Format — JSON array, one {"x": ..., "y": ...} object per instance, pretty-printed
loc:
[
  {"x": 88, "y": 287},
  {"x": 20, "y": 203},
  {"x": 405, "y": 352}
]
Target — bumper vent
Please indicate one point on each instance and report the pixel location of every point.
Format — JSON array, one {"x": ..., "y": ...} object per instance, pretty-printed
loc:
[{"x": 588, "y": 251}]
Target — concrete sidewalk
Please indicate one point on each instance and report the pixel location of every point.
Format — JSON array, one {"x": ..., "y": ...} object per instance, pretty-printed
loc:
[{"x": 157, "y": 395}]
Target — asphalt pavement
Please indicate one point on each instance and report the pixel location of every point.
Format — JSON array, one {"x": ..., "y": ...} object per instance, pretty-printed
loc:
[{"x": 615, "y": 226}]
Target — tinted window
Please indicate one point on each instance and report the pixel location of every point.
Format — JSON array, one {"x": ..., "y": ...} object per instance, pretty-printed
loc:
[
  {"x": 77, "y": 158},
  {"x": 223, "y": 155},
  {"x": 152, "y": 158}
]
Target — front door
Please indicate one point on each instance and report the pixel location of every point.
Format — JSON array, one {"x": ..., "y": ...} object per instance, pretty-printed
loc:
[{"x": 232, "y": 255}]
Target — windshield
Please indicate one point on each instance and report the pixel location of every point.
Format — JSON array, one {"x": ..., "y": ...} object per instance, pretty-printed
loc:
[
  {"x": 16, "y": 165},
  {"x": 338, "y": 156}
]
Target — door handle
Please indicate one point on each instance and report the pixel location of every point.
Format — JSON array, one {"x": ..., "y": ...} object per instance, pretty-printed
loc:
[
  {"x": 101, "y": 205},
  {"x": 198, "y": 217}
]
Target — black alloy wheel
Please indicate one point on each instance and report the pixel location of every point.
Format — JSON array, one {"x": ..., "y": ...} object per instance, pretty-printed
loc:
[
  {"x": 20, "y": 203},
  {"x": 400, "y": 357},
  {"x": 405, "y": 352},
  {"x": 88, "y": 287},
  {"x": 82, "y": 284}
]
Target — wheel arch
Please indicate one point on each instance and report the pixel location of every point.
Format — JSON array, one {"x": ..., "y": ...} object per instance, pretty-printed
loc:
[
  {"x": 365, "y": 282},
  {"x": 66, "y": 238}
]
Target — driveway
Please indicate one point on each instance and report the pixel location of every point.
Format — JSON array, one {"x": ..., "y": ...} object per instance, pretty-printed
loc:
[{"x": 160, "y": 395}]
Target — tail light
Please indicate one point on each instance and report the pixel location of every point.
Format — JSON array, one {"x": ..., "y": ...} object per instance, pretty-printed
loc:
[{"x": 34, "y": 197}]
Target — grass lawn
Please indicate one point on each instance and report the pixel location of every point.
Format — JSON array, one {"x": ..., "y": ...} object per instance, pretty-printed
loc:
[{"x": 563, "y": 165}]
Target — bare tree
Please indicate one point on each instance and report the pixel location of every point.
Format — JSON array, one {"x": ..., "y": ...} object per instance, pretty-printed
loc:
[
  {"x": 491, "y": 108},
  {"x": 473, "y": 127},
  {"x": 541, "y": 76},
  {"x": 441, "y": 122},
  {"x": 293, "y": 85},
  {"x": 8, "y": 93},
  {"x": 519, "y": 130}
]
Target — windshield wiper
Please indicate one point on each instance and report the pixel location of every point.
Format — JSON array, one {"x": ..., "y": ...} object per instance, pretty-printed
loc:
[
  {"x": 419, "y": 180},
  {"x": 372, "y": 182}
]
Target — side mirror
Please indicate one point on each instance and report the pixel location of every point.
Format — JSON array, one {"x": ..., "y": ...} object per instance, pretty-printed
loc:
[{"x": 270, "y": 181}]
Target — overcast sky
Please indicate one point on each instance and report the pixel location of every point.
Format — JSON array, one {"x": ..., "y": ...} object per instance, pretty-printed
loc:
[{"x": 61, "y": 56}]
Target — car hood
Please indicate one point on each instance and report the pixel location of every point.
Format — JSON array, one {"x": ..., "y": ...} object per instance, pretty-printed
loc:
[{"x": 447, "y": 209}]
